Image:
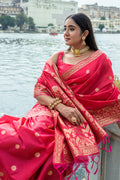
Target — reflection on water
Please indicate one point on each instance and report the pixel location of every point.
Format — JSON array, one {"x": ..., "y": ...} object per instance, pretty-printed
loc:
[{"x": 22, "y": 57}]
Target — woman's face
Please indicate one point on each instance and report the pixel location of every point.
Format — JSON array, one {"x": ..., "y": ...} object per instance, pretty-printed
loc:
[{"x": 72, "y": 33}]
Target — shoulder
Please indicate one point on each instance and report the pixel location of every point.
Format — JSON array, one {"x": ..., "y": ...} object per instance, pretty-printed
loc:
[
  {"x": 102, "y": 54},
  {"x": 106, "y": 60},
  {"x": 54, "y": 57}
]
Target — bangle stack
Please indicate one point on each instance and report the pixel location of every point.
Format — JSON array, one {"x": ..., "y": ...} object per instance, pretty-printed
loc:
[{"x": 55, "y": 102}]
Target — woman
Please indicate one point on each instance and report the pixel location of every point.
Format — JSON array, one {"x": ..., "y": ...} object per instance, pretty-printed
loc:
[{"x": 75, "y": 95}]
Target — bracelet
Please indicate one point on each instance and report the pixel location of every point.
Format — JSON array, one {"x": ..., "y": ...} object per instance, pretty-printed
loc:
[
  {"x": 52, "y": 103},
  {"x": 55, "y": 102}
]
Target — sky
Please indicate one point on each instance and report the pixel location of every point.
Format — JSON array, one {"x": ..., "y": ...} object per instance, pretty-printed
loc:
[{"x": 100, "y": 2}]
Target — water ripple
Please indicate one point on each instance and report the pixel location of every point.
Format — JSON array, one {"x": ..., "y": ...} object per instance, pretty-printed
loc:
[{"x": 22, "y": 58}]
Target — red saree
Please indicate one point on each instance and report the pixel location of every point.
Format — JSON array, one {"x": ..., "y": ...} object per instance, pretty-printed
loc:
[{"x": 33, "y": 147}]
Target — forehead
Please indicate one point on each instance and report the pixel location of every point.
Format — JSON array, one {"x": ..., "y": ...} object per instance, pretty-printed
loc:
[{"x": 69, "y": 22}]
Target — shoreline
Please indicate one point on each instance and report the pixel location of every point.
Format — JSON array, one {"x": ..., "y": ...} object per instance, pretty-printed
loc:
[{"x": 34, "y": 32}]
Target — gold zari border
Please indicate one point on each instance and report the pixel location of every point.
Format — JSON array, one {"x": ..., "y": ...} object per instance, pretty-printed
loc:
[
  {"x": 108, "y": 114},
  {"x": 81, "y": 64}
]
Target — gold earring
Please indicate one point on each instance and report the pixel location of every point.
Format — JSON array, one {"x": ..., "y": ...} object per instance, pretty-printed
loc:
[{"x": 83, "y": 39}]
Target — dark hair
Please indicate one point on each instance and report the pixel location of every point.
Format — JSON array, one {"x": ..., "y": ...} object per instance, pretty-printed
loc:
[{"x": 84, "y": 23}]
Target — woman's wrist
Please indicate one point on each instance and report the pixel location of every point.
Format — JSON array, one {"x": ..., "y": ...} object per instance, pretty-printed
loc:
[
  {"x": 59, "y": 107},
  {"x": 54, "y": 103}
]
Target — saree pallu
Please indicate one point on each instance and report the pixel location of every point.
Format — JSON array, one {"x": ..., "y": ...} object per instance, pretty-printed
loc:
[{"x": 44, "y": 145}]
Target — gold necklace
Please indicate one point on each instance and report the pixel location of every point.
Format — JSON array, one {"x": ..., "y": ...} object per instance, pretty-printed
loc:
[{"x": 78, "y": 52}]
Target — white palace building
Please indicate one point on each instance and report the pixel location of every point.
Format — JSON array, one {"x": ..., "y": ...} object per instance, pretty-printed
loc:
[{"x": 45, "y": 12}]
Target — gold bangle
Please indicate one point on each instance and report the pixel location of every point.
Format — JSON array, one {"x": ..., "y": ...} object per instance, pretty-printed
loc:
[
  {"x": 57, "y": 102},
  {"x": 51, "y": 105}
]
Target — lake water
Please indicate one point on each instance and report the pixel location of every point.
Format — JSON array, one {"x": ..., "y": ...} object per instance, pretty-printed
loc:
[{"x": 22, "y": 57}]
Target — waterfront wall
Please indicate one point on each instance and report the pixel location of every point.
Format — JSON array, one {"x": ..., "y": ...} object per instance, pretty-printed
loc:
[{"x": 109, "y": 167}]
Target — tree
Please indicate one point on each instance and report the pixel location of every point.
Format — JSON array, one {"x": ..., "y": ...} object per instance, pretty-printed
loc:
[
  {"x": 31, "y": 24},
  {"x": 50, "y": 24},
  {"x": 20, "y": 20},
  {"x": 6, "y": 21},
  {"x": 103, "y": 18},
  {"x": 111, "y": 26},
  {"x": 12, "y": 21},
  {"x": 101, "y": 26},
  {"x": 15, "y": 1}
]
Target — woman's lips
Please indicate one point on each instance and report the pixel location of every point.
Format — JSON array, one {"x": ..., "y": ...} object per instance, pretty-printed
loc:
[{"x": 67, "y": 39}]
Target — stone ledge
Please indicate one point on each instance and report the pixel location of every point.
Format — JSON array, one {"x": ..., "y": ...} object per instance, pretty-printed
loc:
[{"x": 113, "y": 136}]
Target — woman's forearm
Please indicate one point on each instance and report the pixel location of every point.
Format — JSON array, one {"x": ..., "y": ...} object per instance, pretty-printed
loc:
[
  {"x": 65, "y": 111},
  {"x": 47, "y": 100}
]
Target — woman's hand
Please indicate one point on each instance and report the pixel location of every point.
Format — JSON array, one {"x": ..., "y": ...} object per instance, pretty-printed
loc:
[{"x": 70, "y": 113}]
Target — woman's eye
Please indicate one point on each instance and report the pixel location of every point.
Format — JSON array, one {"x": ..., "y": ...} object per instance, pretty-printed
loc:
[{"x": 71, "y": 29}]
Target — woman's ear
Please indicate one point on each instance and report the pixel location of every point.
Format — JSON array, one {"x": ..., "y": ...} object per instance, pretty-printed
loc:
[{"x": 85, "y": 34}]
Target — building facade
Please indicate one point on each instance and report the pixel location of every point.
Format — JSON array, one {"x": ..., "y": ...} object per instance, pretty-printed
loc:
[
  {"x": 6, "y": 2},
  {"x": 9, "y": 7},
  {"x": 111, "y": 16},
  {"x": 10, "y": 10},
  {"x": 109, "y": 25},
  {"x": 45, "y": 12},
  {"x": 54, "y": 12},
  {"x": 95, "y": 11}
]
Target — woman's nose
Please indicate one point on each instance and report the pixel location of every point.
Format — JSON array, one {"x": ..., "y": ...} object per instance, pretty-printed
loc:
[{"x": 66, "y": 32}]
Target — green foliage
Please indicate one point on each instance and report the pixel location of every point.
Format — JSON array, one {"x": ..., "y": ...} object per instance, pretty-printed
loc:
[
  {"x": 16, "y": 1},
  {"x": 111, "y": 26},
  {"x": 6, "y": 21},
  {"x": 117, "y": 82},
  {"x": 103, "y": 18},
  {"x": 31, "y": 24},
  {"x": 50, "y": 24},
  {"x": 20, "y": 20},
  {"x": 101, "y": 26}
]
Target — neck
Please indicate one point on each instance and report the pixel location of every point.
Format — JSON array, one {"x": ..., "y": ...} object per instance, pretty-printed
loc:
[
  {"x": 78, "y": 52},
  {"x": 78, "y": 47}
]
